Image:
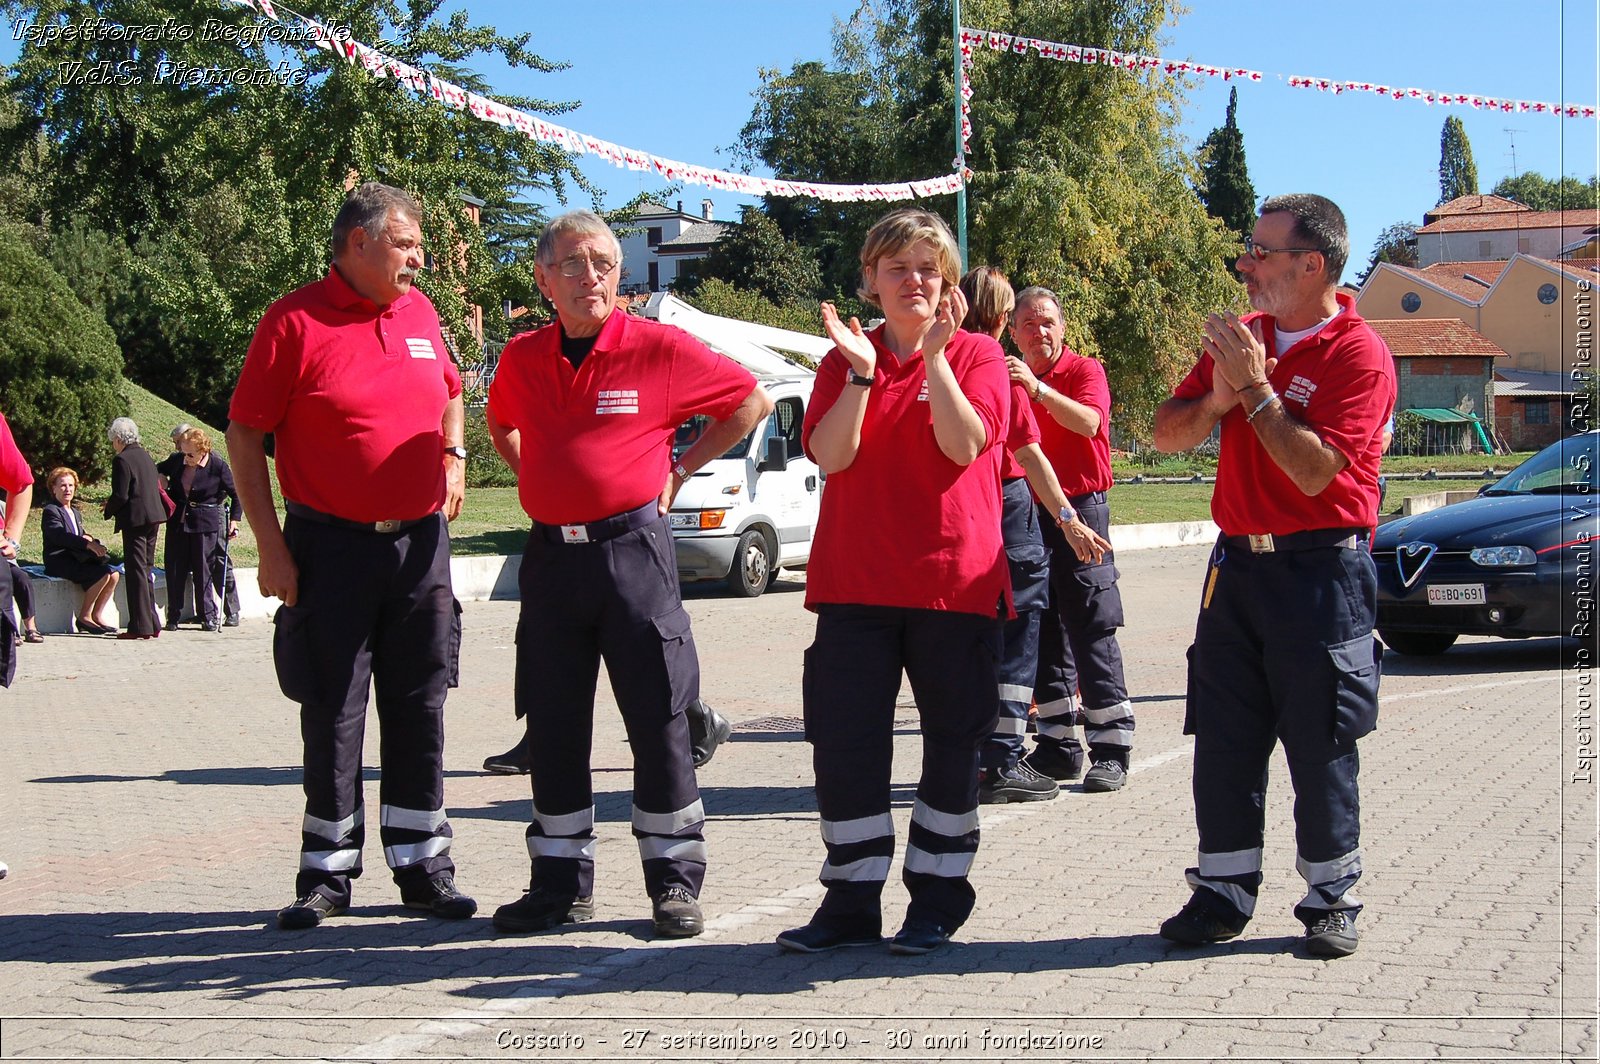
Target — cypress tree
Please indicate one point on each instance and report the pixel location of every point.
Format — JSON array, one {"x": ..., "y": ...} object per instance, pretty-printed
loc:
[
  {"x": 1225, "y": 179},
  {"x": 1458, "y": 174}
]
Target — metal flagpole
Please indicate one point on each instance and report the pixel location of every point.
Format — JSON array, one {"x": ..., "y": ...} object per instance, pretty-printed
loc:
[{"x": 961, "y": 159}]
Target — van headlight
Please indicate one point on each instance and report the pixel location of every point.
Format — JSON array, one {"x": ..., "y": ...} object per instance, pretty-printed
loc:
[{"x": 1503, "y": 557}]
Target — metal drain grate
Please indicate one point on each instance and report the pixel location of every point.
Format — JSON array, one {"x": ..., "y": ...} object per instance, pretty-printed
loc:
[{"x": 771, "y": 724}]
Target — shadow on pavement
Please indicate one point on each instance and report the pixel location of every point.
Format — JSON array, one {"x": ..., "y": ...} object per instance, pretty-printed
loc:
[
  {"x": 1493, "y": 657},
  {"x": 241, "y": 955}
]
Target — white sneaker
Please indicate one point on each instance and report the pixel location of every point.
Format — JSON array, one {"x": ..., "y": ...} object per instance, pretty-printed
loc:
[{"x": 3, "y": 870}]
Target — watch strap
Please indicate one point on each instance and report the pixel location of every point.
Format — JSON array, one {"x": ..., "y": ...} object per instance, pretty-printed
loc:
[{"x": 858, "y": 379}]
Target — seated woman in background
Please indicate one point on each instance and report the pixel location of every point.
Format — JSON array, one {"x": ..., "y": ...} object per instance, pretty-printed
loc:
[
  {"x": 199, "y": 482},
  {"x": 72, "y": 554}
]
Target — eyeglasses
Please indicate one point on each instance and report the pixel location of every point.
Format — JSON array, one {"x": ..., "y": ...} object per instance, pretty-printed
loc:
[
  {"x": 1259, "y": 253},
  {"x": 578, "y": 266}
]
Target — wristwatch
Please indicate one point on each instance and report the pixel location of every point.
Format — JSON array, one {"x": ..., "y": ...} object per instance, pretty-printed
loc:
[
  {"x": 458, "y": 451},
  {"x": 1066, "y": 515},
  {"x": 680, "y": 472},
  {"x": 856, "y": 378}
]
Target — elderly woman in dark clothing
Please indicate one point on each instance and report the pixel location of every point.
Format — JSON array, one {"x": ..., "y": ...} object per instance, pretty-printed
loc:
[
  {"x": 71, "y": 553},
  {"x": 136, "y": 508},
  {"x": 199, "y": 482}
]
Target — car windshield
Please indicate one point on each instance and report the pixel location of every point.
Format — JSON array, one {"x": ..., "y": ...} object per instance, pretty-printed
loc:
[
  {"x": 1566, "y": 466},
  {"x": 691, "y": 430}
]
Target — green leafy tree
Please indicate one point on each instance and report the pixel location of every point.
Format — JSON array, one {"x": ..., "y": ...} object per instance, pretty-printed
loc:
[
  {"x": 225, "y": 193},
  {"x": 1542, "y": 194},
  {"x": 1225, "y": 186},
  {"x": 1458, "y": 174},
  {"x": 1079, "y": 180},
  {"x": 1396, "y": 244},
  {"x": 716, "y": 296},
  {"x": 755, "y": 255},
  {"x": 59, "y": 361}
]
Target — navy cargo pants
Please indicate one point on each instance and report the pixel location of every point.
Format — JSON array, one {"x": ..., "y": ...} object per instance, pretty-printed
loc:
[
  {"x": 375, "y": 610},
  {"x": 852, "y": 675},
  {"x": 608, "y": 591},
  {"x": 1078, "y": 649},
  {"x": 1029, "y": 563},
  {"x": 1283, "y": 651}
]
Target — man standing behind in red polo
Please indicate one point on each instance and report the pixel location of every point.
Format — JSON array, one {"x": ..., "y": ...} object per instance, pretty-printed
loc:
[
  {"x": 351, "y": 375},
  {"x": 584, "y": 412},
  {"x": 1078, "y": 646}
]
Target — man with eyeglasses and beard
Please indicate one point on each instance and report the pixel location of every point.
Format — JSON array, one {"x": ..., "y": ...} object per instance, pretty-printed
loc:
[
  {"x": 352, "y": 376},
  {"x": 584, "y": 412},
  {"x": 1283, "y": 647}
]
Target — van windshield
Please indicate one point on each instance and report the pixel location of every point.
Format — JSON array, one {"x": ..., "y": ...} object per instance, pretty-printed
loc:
[{"x": 691, "y": 430}]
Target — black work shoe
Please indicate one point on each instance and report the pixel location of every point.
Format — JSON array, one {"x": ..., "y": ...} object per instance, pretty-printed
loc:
[
  {"x": 230, "y": 622},
  {"x": 821, "y": 935},
  {"x": 1199, "y": 924},
  {"x": 918, "y": 936},
  {"x": 996, "y": 786},
  {"x": 309, "y": 911},
  {"x": 1055, "y": 763},
  {"x": 1333, "y": 934},
  {"x": 440, "y": 898},
  {"x": 539, "y": 910},
  {"x": 1105, "y": 776},
  {"x": 708, "y": 730},
  {"x": 517, "y": 761},
  {"x": 677, "y": 914}
]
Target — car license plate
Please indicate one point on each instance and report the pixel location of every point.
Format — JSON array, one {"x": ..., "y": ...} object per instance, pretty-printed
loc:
[
  {"x": 1456, "y": 595},
  {"x": 690, "y": 521}
]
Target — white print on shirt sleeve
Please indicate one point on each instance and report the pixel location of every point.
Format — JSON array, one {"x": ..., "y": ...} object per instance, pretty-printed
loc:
[
  {"x": 1300, "y": 390},
  {"x": 618, "y": 401},
  {"x": 922, "y": 396},
  {"x": 421, "y": 347}
]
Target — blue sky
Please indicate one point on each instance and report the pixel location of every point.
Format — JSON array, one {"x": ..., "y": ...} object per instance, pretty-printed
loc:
[{"x": 674, "y": 79}]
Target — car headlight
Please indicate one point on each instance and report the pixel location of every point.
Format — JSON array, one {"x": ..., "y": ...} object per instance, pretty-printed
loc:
[{"x": 1501, "y": 557}]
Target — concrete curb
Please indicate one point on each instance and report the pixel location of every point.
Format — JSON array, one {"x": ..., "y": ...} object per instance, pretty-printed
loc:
[{"x": 482, "y": 578}]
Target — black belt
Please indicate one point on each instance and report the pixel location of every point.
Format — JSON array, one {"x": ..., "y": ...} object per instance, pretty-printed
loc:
[
  {"x": 306, "y": 513},
  {"x": 1316, "y": 539},
  {"x": 603, "y": 529},
  {"x": 1088, "y": 498},
  {"x": 1008, "y": 481}
]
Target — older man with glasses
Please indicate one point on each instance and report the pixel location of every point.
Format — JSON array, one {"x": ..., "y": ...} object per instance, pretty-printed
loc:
[
  {"x": 584, "y": 411},
  {"x": 1283, "y": 648}
]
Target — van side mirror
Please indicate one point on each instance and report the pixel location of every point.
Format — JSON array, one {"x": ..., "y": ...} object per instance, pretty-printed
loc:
[{"x": 776, "y": 459}]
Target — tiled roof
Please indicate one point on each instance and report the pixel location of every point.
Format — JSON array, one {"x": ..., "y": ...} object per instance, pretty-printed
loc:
[
  {"x": 1467, "y": 223},
  {"x": 698, "y": 236},
  {"x": 1434, "y": 338},
  {"x": 1471, "y": 291},
  {"x": 1469, "y": 278},
  {"x": 1474, "y": 204}
]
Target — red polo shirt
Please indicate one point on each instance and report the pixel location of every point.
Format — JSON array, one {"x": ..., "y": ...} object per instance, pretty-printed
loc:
[
  {"x": 354, "y": 395},
  {"x": 1082, "y": 463},
  {"x": 597, "y": 441},
  {"x": 14, "y": 472},
  {"x": 903, "y": 525},
  {"x": 1021, "y": 430},
  {"x": 1339, "y": 382}
]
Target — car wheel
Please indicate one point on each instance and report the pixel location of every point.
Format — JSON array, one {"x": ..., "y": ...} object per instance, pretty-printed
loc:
[
  {"x": 1420, "y": 643},
  {"x": 752, "y": 565}
]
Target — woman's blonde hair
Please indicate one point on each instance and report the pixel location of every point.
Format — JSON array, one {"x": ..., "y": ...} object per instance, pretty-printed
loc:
[
  {"x": 900, "y": 229},
  {"x": 989, "y": 300},
  {"x": 198, "y": 438}
]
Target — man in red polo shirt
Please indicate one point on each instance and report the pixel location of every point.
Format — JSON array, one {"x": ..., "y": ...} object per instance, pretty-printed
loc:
[
  {"x": 1283, "y": 648},
  {"x": 352, "y": 377},
  {"x": 16, "y": 477},
  {"x": 584, "y": 411},
  {"x": 1078, "y": 649}
]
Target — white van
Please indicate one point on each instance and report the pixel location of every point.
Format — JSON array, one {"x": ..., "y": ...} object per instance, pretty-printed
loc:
[
  {"x": 747, "y": 514},
  {"x": 744, "y": 515}
]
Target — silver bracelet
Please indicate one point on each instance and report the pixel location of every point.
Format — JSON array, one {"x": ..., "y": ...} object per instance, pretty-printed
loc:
[{"x": 1271, "y": 395}]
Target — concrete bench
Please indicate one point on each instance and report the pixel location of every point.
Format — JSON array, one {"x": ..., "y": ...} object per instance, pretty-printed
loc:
[{"x": 56, "y": 601}]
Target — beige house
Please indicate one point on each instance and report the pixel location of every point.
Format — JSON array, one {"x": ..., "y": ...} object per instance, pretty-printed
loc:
[{"x": 1539, "y": 312}]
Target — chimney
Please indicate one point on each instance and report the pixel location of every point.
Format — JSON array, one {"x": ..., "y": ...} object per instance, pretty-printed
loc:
[
  {"x": 705, "y": 209},
  {"x": 680, "y": 206}
]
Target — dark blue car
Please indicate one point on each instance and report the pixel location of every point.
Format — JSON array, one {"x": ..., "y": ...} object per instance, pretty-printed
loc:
[{"x": 1518, "y": 561}]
